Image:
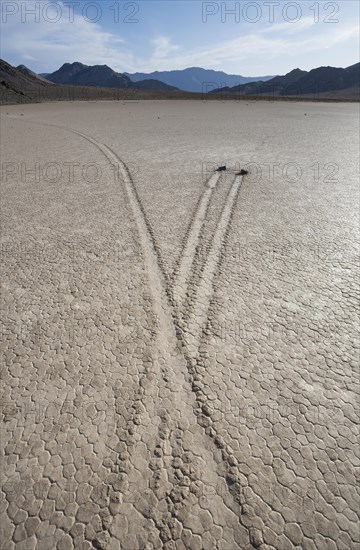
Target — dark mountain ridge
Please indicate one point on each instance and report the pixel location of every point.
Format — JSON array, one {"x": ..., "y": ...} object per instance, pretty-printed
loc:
[
  {"x": 23, "y": 69},
  {"x": 16, "y": 83},
  {"x": 298, "y": 82},
  {"x": 196, "y": 79},
  {"x": 100, "y": 75}
]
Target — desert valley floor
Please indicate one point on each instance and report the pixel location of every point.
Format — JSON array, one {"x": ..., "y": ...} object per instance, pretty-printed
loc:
[{"x": 180, "y": 345}]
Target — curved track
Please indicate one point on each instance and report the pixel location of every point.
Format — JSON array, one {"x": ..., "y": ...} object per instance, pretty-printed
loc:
[{"x": 185, "y": 465}]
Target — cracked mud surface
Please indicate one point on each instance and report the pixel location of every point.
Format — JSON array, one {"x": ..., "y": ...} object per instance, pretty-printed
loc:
[{"x": 180, "y": 346}]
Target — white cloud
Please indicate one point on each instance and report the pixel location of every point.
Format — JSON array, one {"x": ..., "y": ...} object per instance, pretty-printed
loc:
[
  {"x": 163, "y": 47},
  {"x": 286, "y": 27},
  {"x": 52, "y": 43},
  {"x": 274, "y": 42},
  {"x": 47, "y": 45}
]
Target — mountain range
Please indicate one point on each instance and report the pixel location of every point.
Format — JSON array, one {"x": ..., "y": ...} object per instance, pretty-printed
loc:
[
  {"x": 78, "y": 81},
  {"x": 196, "y": 79},
  {"x": 302, "y": 83},
  {"x": 101, "y": 76}
]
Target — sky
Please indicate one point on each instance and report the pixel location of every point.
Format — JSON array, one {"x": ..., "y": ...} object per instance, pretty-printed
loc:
[{"x": 239, "y": 37}]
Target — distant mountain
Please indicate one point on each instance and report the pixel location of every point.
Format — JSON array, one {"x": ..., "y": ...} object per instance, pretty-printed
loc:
[
  {"x": 23, "y": 69},
  {"x": 21, "y": 85},
  {"x": 17, "y": 78},
  {"x": 84, "y": 75},
  {"x": 275, "y": 85},
  {"x": 16, "y": 85},
  {"x": 195, "y": 79},
  {"x": 151, "y": 84},
  {"x": 299, "y": 83},
  {"x": 101, "y": 76},
  {"x": 325, "y": 79}
]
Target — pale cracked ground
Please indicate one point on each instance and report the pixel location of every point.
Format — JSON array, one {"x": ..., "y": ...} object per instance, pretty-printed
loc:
[{"x": 179, "y": 348}]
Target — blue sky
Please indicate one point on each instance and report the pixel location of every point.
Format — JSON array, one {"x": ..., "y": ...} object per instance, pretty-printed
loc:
[{"x": 247, "y": 38}]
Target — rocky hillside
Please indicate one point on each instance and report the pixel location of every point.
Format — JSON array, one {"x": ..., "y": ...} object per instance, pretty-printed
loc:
[
  {"x": 27, "y": 72},
  {"x": 19, "y": 85}
]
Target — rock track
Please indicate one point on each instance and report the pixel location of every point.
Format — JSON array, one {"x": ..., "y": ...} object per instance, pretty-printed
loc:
[
  {"x": 225, "y": 417},
  {"x": 172, "y": 458},
  {"x": 178, "y": 489}
]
